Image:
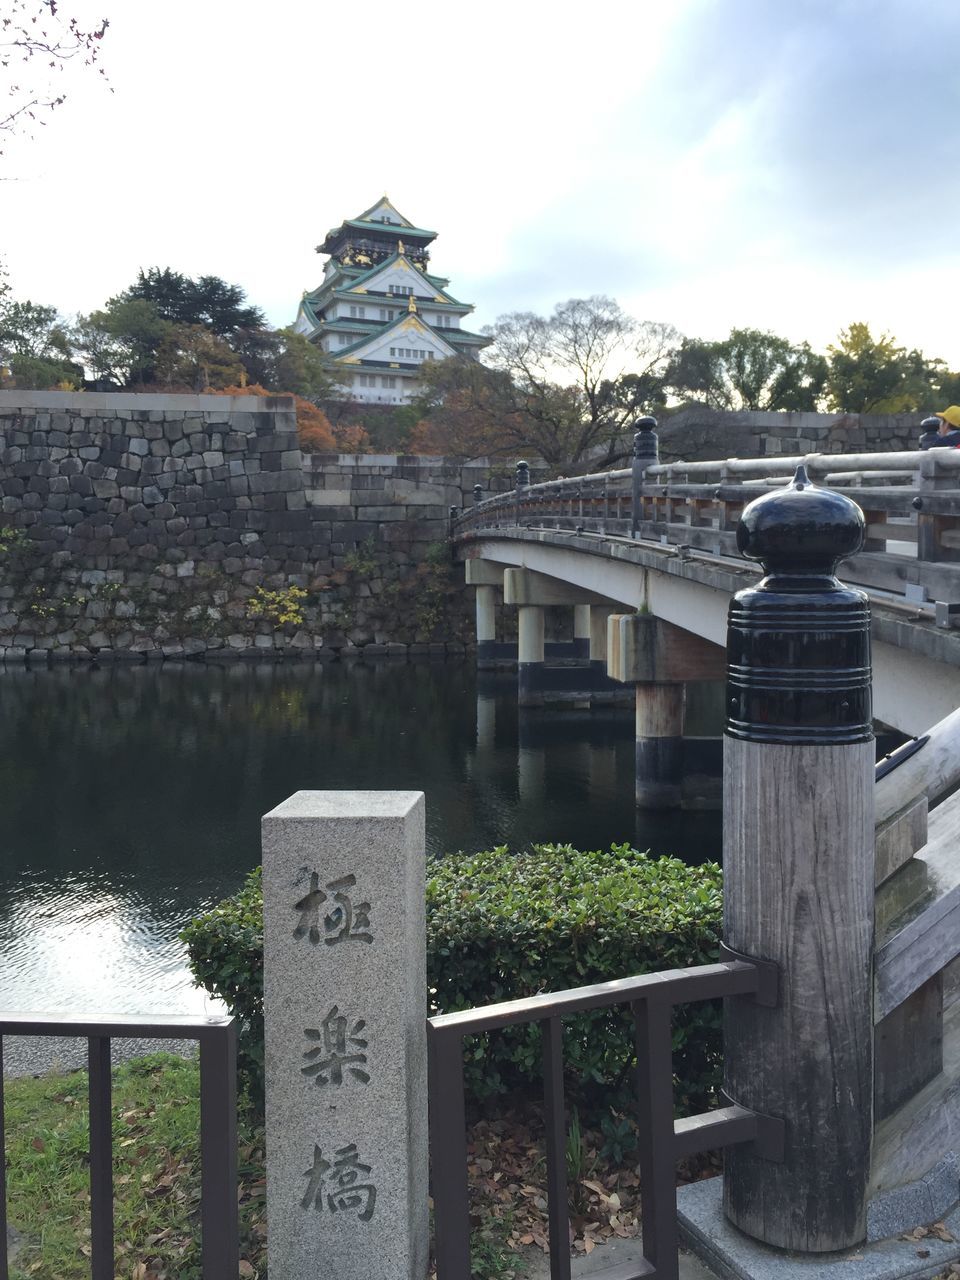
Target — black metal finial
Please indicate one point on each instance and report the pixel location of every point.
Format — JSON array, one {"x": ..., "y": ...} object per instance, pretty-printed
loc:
[
  {"x": 801, "y": 529},
  {"x": 523, "y": 474},
  {"x": 478, "y": 493},
  {"x": 798, "y": 644},
  {"x": 646, "y": 446}
]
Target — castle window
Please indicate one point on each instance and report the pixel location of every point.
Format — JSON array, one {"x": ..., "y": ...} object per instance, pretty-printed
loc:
[
  {"x": 390, "y": 383},
  {"x": 358, "y": 313},
  {"x": 401, "y": 290}
]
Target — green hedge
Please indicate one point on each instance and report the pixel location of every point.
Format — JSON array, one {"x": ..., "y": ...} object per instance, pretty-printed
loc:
[{"x": 502, "y": 925}]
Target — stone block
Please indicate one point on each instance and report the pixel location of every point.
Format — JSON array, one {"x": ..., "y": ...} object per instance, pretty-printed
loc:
[
  {"x": 329, "y": 497},
  {"x": 345, "y": 1003}
]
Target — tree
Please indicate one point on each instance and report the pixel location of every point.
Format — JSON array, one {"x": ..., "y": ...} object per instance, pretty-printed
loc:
[
  {"x": 284, "y": 360},
  {"x": 35, "y": 345},
  {"x": 749, "y": 369},
  {"x": 874, "y": 375},
  {"x": 120, "y": 343},
  {"x": 582, "y": 377},
  {"x": 207, "y": 301},
  {"x": 193, "y": 358},
  {"x": 467, "y": 411},
  {"x": 36, "y": 40}
]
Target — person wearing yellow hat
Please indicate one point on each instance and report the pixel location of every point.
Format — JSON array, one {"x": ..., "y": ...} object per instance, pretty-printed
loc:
[{"x": 947, "y": 423}]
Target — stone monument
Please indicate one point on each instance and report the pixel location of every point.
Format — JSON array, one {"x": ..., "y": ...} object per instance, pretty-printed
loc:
[{"x": 345, "y": 1032}]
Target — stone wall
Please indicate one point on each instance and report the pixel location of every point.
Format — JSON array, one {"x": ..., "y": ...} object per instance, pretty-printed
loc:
[
  {"x": 149, "y": 526},
  {"x": 698, "y": 434}
]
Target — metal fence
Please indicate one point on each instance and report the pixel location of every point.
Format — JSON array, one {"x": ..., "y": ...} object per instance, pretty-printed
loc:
[
  {"x": 663, "y": 1140},
  {"x": 217, "y": 1039}
]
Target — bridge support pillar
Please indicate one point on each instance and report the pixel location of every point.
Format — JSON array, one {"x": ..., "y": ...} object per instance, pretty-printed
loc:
[
  {"x": 581, "y": 630},
  {"x": 660, "y": 659},
  {"x": 580, "y": 682},
  {"x": 487, "y": 577},
  {"x": 799, "y": 873},
  {"x": 530, "y": 656},
  {"x": 659, "y": 746}
]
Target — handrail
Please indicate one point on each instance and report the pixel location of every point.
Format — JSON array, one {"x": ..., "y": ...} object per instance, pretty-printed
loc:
[
  {"x": 911, "y": 502},
  {"x": 932, "y": 772},
  {"x": 650, "y": 998},
  {"x": 217, "y": 1036}
]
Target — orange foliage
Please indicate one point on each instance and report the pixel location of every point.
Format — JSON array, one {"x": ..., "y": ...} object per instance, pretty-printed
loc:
[
  {"x": 313, "y": 427},
  {"x": 352, "y": 439}
]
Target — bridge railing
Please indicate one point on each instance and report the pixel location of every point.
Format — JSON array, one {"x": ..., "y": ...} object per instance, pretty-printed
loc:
[{"x": 911, "y": 502}]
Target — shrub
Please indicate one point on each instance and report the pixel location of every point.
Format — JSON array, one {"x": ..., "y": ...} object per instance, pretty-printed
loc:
[
  {"x": 504, "y": 926},
  {"x": 501, "y": 926},
  {"x": 225, "y": 948}
]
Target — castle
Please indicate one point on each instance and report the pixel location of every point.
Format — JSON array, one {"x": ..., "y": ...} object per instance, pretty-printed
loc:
[{"x": 378, "y": 311}]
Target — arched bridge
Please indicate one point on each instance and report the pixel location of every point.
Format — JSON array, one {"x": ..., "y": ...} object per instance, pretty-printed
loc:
[{"x": 660, "y": 539}]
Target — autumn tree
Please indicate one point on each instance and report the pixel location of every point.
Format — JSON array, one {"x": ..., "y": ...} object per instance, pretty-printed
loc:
[
  {"x": 37, "y": 42},
  {"x": 567, "y": 387},
  {"x": 467, "y": 411},
  {"x": 314, "y": 431},
  {"x": 581, "y": 377},
  {"x": 750, "y": 369}
]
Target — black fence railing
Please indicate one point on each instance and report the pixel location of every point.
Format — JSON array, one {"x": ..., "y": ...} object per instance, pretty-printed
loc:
[
  {"x": 217, "y": 1037},
  {"x": 663, "y": 1140}
]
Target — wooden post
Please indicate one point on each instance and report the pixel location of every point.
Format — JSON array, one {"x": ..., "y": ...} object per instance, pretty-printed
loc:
[
  {"x": 646, "y": 451},
  {"x": 798, "y": 869}
]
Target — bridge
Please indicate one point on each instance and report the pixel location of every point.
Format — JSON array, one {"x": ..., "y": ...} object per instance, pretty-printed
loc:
[
  {"x": 801, "y": 791},
  {"x": 661, "y": 539}
]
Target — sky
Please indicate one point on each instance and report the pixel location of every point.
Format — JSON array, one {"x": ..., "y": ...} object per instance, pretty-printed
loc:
[{"x": 708, "y": 163}]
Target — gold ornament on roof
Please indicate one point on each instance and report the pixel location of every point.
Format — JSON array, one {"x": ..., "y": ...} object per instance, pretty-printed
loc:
[
  {"x": 412, "y": 304},
  {"x": 400, "y": 248}
]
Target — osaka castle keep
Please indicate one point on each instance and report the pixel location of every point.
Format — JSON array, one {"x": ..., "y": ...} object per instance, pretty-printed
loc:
[{"x": 379, "y": 312}]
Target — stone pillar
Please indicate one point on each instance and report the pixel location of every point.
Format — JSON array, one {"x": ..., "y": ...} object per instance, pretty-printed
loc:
[
  {"x": 581, "y": 630},
  {"x": 659, "y": 746},
  {"x": 660, "y": 659},
  {"x": 530, "y": 655},
  {"x": 799, "y": 871},
  {"x": 345, "y": 1031},
  {"x": 487, "y": 577},
  {"x": 598, "y": 636},
  {"x": 486, "y": 616}
]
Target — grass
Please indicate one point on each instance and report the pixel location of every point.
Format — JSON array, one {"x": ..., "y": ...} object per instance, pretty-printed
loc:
[
  {"x": 156, "y": 1171},
  {"x": 156, "y": 1137}
]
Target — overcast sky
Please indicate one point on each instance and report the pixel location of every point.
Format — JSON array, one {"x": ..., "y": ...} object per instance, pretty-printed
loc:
[{"x": 710, "y": 163}]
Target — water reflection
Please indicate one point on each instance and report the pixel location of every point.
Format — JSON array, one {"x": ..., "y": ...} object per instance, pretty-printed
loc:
[{"x": 131, "y": 798}]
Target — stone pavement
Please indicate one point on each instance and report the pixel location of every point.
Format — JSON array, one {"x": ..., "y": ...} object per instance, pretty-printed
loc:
[{"x": 615, "y": 1253}]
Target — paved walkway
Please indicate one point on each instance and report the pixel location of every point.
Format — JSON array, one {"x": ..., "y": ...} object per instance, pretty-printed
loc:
[{"x": 615, "y": 1253}]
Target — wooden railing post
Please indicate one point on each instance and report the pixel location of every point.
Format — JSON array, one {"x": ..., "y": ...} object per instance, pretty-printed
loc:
[
  {"x": 646, "y": 451},
  {"x": 522, "y": 485},
  {"x": 798, "y": 870}
]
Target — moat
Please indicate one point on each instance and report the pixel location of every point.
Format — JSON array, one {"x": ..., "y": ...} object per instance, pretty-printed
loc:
[{"x": 131, "y": 798}]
